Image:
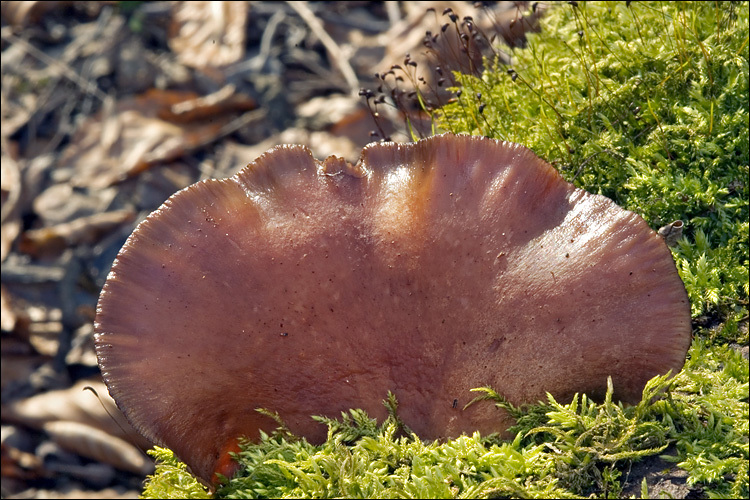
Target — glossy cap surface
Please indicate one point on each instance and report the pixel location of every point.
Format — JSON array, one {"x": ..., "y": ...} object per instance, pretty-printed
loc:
[{"x": 427, "y": 269}]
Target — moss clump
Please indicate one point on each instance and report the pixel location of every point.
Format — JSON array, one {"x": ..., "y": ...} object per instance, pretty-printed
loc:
[
  {"x": 171, "y": 479},
  {"x": 568, "y": 450},
  {"x": 646, "y": 103}
]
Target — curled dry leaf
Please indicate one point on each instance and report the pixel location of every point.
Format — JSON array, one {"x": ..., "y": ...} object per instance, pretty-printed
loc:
[
  {"x": 10, "y": 196},
  {"x": 207, "y": 35},
  {"x": 10, "y": 313},
  {"x": 98, "y": 445},
  {"x": 19, "y": 464},
  {"x": 224, "y": 100},
  {"x": 77, "y": 405},
  {"x": 20, "y": 14},
  {"x": 85, "y": 230},
  {"x": 157, "y": 126},
  {"x": 61, "y": 202},
  {"x": 672, "y": 232},
  {"x": 322, "y": 143}
]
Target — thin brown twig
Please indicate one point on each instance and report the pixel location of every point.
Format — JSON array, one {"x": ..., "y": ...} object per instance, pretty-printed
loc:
[
  {"x": 67, "y": 71},
  {"x": 331, "y": 46}
]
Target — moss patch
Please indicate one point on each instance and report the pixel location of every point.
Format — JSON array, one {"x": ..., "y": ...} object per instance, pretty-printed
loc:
[
  {"x": 571, "y": 450},
  {"x": 646, "y": 103}
]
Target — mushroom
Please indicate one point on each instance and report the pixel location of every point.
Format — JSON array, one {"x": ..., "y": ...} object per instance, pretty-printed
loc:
[{"x": 427, "y": 269}]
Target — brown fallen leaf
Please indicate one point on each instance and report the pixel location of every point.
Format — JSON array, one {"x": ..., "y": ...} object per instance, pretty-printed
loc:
[
  {"x": 20, "y": 14},
  {"x": 224, "y": 100},
  {"x": 207, "y": 35},
  {"x": 157, "y": 126},
  {"x": 672, "y": 232},
  {"x": 10, "y": 195},
  {"x": 61, "y": 202},
  {"x": 96, "y": 444},
  {"x": 77, "y": 405},
  {"x": 19, "y": 464},
  {"x": 11, "y": 315},
  {"x": 53, "y": 240}
]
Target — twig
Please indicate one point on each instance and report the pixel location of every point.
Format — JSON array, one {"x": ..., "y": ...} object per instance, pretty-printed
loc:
[
  {"x": 393, "y": 12},
  {"x": 333, "y": 49},
  {"x": 67, "y": 71},
  {"x": 264, "y": 52}
]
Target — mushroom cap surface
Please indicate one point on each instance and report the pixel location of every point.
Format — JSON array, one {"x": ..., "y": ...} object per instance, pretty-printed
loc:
[{"x": 427, "y": 269}]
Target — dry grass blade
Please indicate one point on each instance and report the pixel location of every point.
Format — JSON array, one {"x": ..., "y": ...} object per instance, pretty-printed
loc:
[{"x": 337, "y": 55}]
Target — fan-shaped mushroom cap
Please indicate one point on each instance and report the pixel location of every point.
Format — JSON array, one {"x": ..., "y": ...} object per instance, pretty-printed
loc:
[{"x": 427, "y": 269}]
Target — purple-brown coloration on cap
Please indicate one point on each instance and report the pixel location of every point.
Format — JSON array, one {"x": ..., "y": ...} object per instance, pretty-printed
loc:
[{"x": 427, "y": 269}]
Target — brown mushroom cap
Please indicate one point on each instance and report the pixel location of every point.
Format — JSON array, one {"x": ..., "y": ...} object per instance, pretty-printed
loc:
[{"x": 427, "y": 269}]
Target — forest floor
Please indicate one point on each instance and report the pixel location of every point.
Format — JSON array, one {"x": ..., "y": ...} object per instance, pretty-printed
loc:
[{"x": 108, "y": 108}]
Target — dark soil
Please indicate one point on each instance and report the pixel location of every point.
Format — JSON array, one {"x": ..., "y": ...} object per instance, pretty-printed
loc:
[{"x": 664, "y": 479}]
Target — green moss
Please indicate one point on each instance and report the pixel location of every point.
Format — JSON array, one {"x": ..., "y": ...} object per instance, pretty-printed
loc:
[
  {"x": 571, "y": 450},
  {"x": 646, "y": 103},
  {"x": 171, "y": 479}
]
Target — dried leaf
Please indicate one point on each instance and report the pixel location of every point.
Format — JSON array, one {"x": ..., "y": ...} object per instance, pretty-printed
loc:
[
  {"x": 208, "y": 35},
  {"x": 139, "y": 132},
  {"x": 96, "y": 444},
  {"x": 19, "y": 464},
  {"x": 85, "y": 230},
  {"x": 62, "y": 203},
  {"x": 11, "y": 315},
  {"x": 17, "y": 367},
  {"x": 223, "y": 100},
  {"x": 671, "y": 232},
  {"x": 10, "y": 195},
  {"x": 77, "y": 405},
  {"x": 21, "y": 14}
]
